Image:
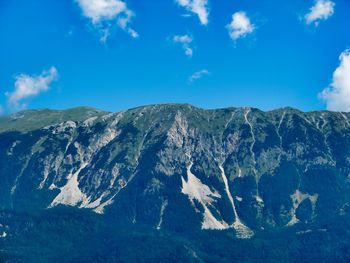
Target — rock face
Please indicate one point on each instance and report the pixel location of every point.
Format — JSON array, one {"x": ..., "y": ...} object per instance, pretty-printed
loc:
[
  {"x": 177, "y": 167},
  {"x": 239, "y": 168}
]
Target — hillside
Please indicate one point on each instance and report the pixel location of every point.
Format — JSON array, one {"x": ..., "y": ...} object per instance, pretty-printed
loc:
[{"x": 250, "y": 184}]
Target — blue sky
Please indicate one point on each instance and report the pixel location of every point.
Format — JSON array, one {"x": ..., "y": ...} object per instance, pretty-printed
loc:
[{"x": 282, "y": 59}]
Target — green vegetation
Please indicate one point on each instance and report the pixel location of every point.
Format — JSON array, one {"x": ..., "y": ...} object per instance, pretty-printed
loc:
[{"x": 30, "y": 120}]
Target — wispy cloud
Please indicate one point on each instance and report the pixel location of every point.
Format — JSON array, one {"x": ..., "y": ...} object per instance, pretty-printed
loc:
[
  {"x": 322, "y": 10},
  {"x": 27, "y": 86},
  {"x": 185, "y": 41},
  {"x": 240, "y": 26},
  {"x": 104, "y": 13},
  {"x": 198, "y": 7},
  {"x": 198, "y": 75},
  {"x": 337, "y": 95}
]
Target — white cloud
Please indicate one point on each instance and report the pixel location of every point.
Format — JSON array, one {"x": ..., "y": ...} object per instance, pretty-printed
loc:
[
  {"x": 103, "y": 13},
  {"x": 337, "y": 95},
  {"x": 322, "y": 10},
  {"x": 29, "y": 86},
  {"x": 198, "y": 75},
  {"x": 185, "y": 41},
  {"x": 198, "y": 7},
  {"x": 240, "y": 26}
]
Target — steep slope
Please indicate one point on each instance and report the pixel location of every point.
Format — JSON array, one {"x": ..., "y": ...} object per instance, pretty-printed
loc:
[{"x": 179, "y": 168}]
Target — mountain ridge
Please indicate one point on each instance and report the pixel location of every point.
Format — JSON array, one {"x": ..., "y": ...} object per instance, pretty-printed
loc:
[
  {"x": 290, "y": 108},
  {"x": 182, "y": 169},
  {"x": 75, "y": 112}
]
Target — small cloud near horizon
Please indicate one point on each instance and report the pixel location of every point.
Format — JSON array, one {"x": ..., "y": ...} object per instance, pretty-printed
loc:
[
  {"x": 27, "y": 86},
  {"x": 337, "y": 94},
  {"x": 198, "y": 75}
]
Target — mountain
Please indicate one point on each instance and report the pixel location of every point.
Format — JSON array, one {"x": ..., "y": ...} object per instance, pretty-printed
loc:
[{"x": 174, "y": 182}]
